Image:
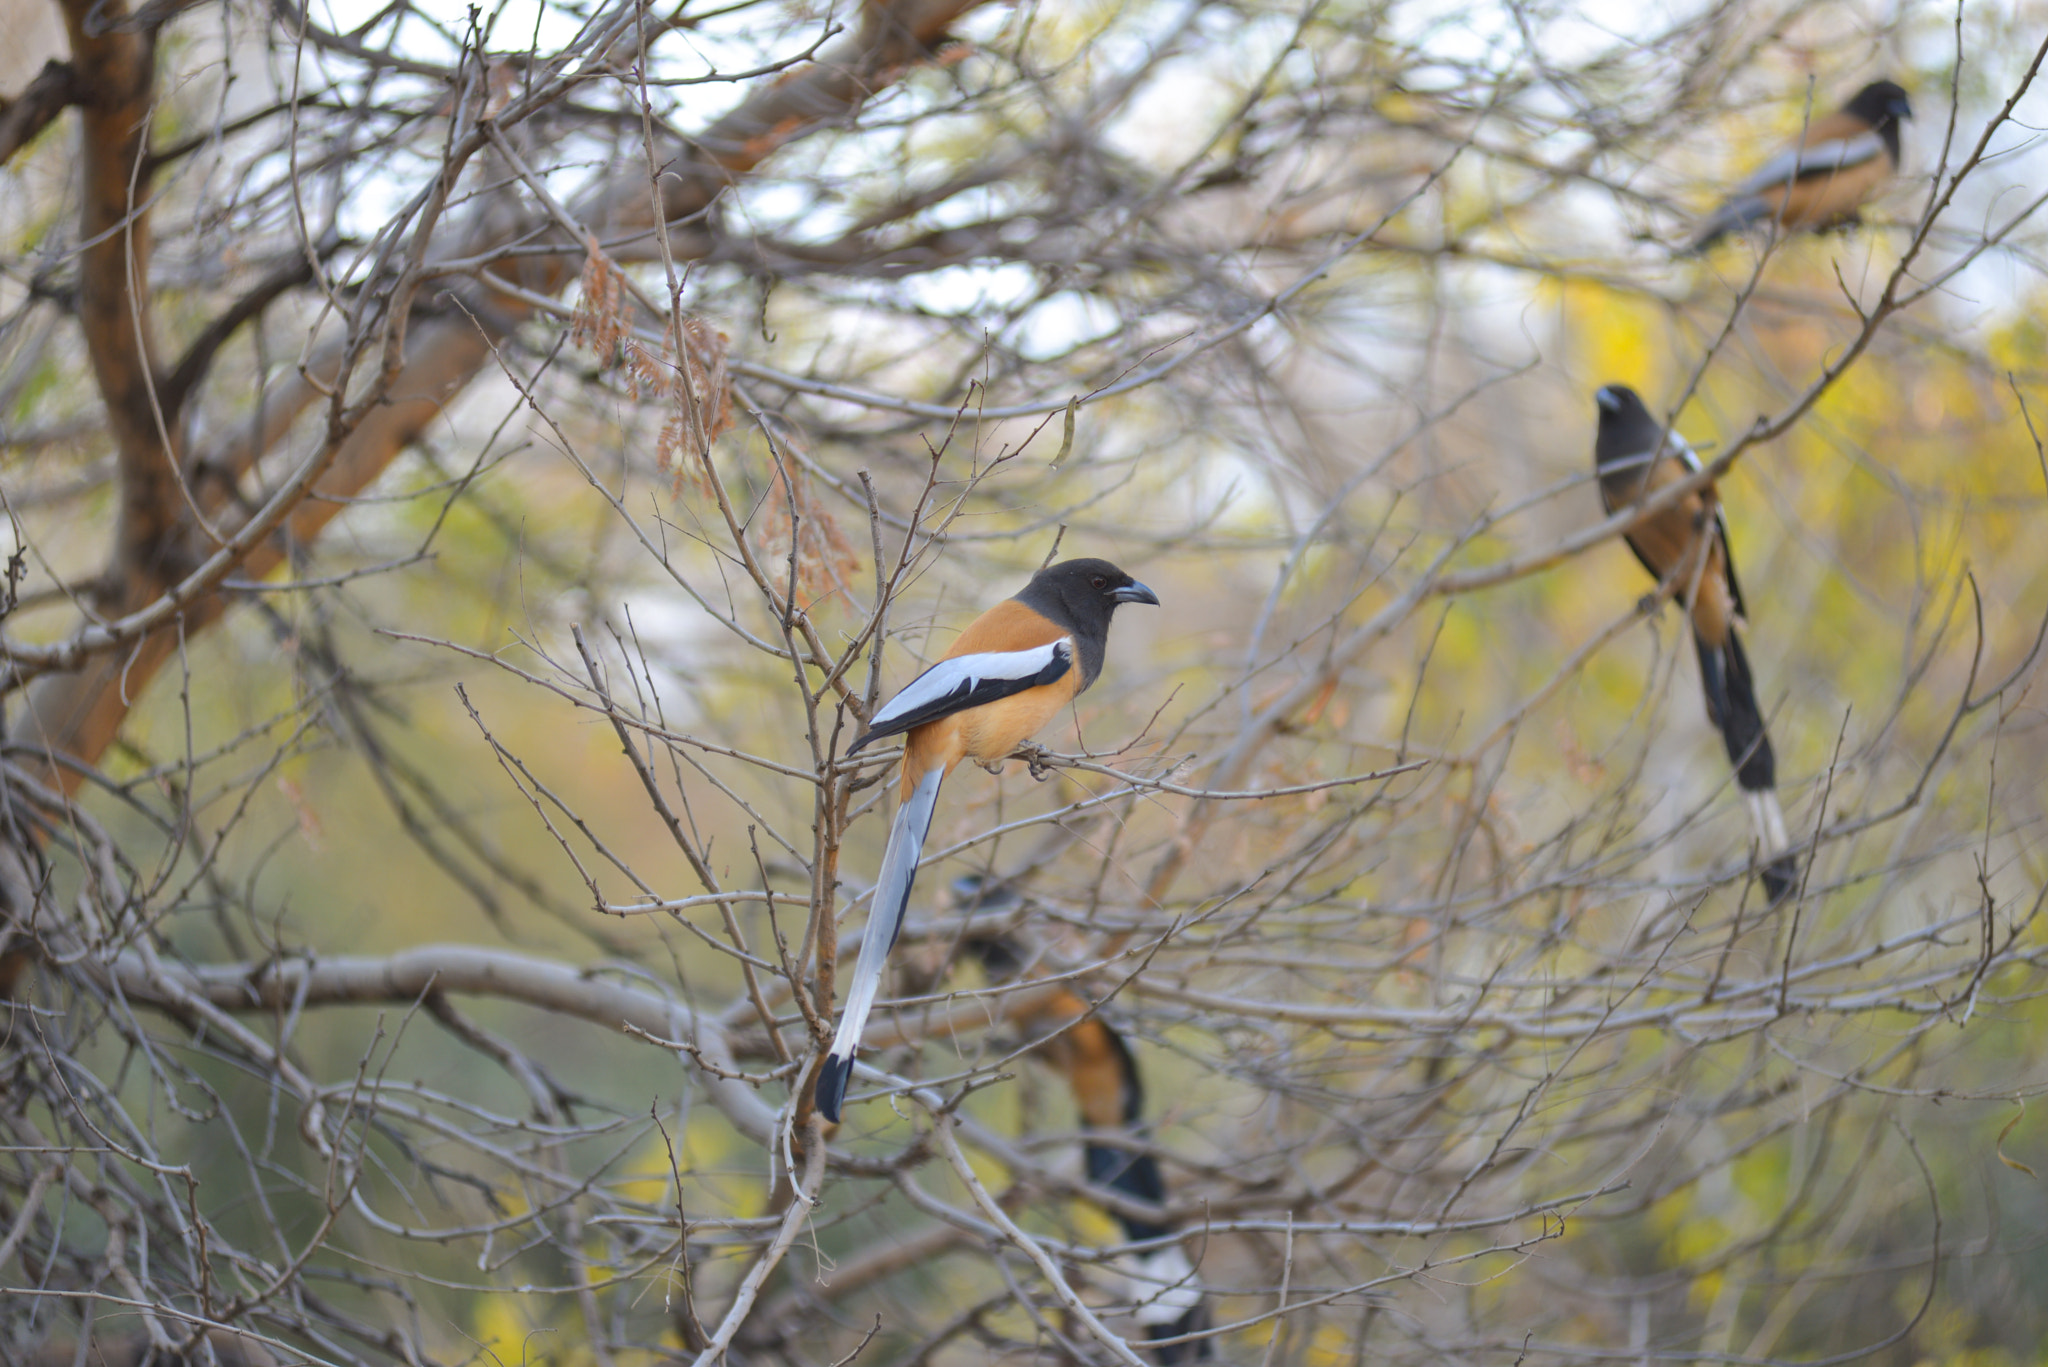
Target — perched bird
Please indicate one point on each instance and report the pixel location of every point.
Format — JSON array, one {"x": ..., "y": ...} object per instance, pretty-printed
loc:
[
  {"x": 1634, "y": 456},
  {"x": 1014, "y": 667},
  {"x": 1825, "y": 177},
  {"x": 1107, "y": 1089}
]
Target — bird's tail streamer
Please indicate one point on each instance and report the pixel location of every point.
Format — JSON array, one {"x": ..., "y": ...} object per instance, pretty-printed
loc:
[
  {"x": 1159, "y": 1282},
  {"x": 1730, "y": 690},
  {"x": 885, "y": 922}
]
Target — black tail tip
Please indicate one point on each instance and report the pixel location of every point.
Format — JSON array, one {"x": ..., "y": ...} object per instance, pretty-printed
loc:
[
  {"x": 832, "y": 1080},
  {"x": 1780, "y": 876},
  {"x": 1173, "y": 1354}
]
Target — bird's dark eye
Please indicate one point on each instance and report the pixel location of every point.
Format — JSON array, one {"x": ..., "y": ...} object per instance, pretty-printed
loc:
[{"x": 1099, "y": 582}]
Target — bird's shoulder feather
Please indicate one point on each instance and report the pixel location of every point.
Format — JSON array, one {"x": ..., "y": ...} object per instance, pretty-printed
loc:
[
  {"x": 962, "y": 681},
  {"x": 1824, "y": 151}
]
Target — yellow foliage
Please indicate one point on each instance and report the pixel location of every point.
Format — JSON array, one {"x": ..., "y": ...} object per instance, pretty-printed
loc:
[
  {"x": 649, "y": 1173},
  {"x": 1618, "y": 337},
  {"x": 1328, "y": 1346},
  {"x": 992, "y": 1175},
  {"x": 1092, "y": 1224},
  {"x": 505, "y": 1329}
]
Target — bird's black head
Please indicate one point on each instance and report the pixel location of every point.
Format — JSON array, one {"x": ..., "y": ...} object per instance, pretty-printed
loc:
[
  {"x": 1620, "y": 404},
  {"x": 1880, "y": 103},
  {"x": 1081, "y": 595},
  {"x": 1090, "y": 590},
  {"x": 1628, "y": 430}
]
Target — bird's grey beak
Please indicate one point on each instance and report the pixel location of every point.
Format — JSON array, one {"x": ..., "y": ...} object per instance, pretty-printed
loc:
[
  {"x": 1134, "y": 592},
  {"x": 1607, "y": 399},
  {"x": 1901, "y": 108}
]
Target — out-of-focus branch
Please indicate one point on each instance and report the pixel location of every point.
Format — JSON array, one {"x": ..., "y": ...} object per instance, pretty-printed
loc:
[
  {"x": 192, "y": 366},
  {"x": 288, "y": 984},
  {"x": 80, "y": 713},
  {"x": 24, "y": 118},
  {"x": 1391, "y": 1030},
  {"x": 134, "y": 1350},
  {"x": 114, "y": 84}
]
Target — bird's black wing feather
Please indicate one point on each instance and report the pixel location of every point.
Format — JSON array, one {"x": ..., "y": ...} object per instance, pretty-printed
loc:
[{"x": 967, "y": 681}]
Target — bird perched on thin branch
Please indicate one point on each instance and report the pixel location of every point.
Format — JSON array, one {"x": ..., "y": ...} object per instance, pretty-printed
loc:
[
  {"x": 1822, "y": 179},
  {"x": 1014, "y": 667},
  {"x": 1635, "y": 456},
  {"x": 1110, "y": 1093},
  {"x": 1099, "y": 1067}
]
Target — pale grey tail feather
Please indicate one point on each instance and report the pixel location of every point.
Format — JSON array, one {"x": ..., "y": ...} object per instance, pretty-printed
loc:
[
  {"x": 1730, "y": 691},
  {"x": 1161, "y": 1285},
  {"x": 1167, "y": 1302},
  {"x": 1767, "y": 820},
  {"x": 885, "y": 922}
]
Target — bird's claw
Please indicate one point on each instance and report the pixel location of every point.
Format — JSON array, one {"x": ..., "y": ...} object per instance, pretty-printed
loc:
[
  {"x": 1649, "y": 604},
  {"x": 1036, "y": 759}
]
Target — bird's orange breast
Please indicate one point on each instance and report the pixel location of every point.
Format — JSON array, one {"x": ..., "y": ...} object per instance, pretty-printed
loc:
[
  {"x": 1816, "y": 201},
  {"x": 993, "y": 730},
  {"x": 1671, "y": 539},
  {"x": 1088, "y": 1054},
  {"x": 1822, "y": 197},
  {"x": 988, "y": 733}
]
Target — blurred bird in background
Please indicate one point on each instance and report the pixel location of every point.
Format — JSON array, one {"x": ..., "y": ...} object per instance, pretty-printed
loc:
[
  {"x": 1635, "y": 456},
  {"x": 1825, "y": 177}
]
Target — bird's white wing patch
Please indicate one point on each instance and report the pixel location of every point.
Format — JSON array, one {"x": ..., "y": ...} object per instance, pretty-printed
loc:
[
  {"x": 1836, "y": 154},
  {"x": 1680, "y": 447},
  {"x": 965, "y": 675},
  {"x": 1674, "y": 445}
]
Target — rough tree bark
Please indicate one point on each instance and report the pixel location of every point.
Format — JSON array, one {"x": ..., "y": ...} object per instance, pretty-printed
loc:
[
  {"x": 186, "y": 524},
  {"x": 78, "y": 707}
]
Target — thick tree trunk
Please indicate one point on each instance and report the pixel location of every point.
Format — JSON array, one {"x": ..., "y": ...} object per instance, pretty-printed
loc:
[
  {"x": 78, "y": 712},
  {"x": 175, "y": 530}
]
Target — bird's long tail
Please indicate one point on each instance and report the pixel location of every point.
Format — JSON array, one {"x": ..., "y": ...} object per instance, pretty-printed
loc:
[
  {"x": 885, "y": 921},
  {"x": 1161, "y": 1280},
  {"x": 1731, "y": 705}
]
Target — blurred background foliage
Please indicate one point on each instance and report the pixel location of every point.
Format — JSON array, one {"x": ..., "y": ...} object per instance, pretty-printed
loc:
[{"x": 1336, "y": 282}]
